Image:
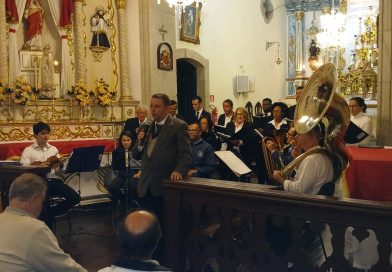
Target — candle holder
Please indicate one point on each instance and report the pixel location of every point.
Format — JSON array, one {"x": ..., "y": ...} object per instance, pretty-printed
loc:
[
  {"x": 112, "y": 117},
  {"x": 71, "y": 109},
  {"x": 10, "y": 117},
  {"x": 53, "y": 109},
  {"x": 36, "y": 109}
]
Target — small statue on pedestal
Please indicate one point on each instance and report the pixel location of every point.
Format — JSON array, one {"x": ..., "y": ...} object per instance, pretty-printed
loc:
[{"x": 46, "y": 74}]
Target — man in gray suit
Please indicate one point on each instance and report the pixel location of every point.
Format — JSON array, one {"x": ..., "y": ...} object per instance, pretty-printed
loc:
[{"x": 165, "y": 153}]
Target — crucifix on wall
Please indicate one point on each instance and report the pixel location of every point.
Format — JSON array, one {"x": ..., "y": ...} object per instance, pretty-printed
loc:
[{"x": 163, "y": 32}]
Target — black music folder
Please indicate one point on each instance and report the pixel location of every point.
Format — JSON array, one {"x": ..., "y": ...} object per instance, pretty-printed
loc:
[
  {"x": 85, "y": 159},
  {"x": 221, "y": 131},
  {"x": 261, "y": 122},
  {"x": 354, "y": 134}
]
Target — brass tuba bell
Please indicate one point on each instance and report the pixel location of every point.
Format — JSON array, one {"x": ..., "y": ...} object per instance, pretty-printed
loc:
[{"x": 320, "y": 103}]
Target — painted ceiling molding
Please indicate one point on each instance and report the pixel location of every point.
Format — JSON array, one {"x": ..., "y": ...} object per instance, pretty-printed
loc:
[{"x": 308, "y": 5}]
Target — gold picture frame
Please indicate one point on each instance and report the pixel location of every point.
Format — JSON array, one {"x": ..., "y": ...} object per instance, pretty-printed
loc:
[{"x": 190, "y": 23}]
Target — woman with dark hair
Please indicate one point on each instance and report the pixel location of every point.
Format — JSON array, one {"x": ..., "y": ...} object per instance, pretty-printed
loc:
[
  {"x": 279, "y": 126},
  {"x": 124, "y": 166},
  {"x": 357, "y": 110}
]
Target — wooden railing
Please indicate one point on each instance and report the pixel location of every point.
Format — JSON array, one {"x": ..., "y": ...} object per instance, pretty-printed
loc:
[{"x": 213, "y": 225}]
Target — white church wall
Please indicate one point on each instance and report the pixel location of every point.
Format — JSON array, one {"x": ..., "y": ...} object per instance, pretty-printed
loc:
[{"x": 234, "y": 43}]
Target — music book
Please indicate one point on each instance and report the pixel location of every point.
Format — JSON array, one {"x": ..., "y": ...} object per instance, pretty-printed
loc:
[
  {"x": 354, "y": 134},
  {"x": 233, "y": 162},
  {"x": 220, "y": 129}
]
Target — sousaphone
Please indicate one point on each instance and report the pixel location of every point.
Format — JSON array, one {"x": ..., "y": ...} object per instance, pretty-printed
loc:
[{"x": 320, "y": 103}]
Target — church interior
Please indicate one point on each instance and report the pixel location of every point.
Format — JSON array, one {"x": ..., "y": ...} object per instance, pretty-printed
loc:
[{"x": 84, "y": 67}]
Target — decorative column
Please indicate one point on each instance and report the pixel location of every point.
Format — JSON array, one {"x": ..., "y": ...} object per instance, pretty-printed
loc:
[
  {"x": 80, "y": 42},
  {"x": 123, "y": 51},
  {"x": 299, "y": 72},
  {"x": 384, "y": 101},
  {"x": 3, "y": 46}
]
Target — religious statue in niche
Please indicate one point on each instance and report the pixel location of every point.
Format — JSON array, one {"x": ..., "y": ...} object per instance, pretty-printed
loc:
[
  {"x": 314, "y": 52},
  {"x": 165, "y": 56},
  {"x": 46, "y": 74},
  {"x": 34, "y": 18},
  {"x": 99, "y": 26}
]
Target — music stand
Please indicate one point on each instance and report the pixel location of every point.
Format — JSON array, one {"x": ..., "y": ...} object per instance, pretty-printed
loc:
[
  {"x": 119, "y": 163},
  {"x": 84, "y": 159}
]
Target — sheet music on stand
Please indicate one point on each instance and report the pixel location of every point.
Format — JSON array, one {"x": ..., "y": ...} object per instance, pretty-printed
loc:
[{"x": 233, "y": 162}]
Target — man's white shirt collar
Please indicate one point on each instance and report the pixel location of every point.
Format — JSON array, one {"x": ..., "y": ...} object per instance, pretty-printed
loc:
[
  {"x": 36, "y": 146},
  {"x": 280, "y": 124}
]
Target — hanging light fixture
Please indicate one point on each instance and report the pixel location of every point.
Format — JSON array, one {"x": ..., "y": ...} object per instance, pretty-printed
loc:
[
  {"x": 331, "y": 28},
  {"x": 182, "y": 3}
]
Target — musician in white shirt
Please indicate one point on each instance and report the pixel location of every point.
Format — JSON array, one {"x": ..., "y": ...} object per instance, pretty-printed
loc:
[
  {"x": 314, "y": 171},
  {"x": 357, "y": 110},
  {"x": 40, "y": 152}
]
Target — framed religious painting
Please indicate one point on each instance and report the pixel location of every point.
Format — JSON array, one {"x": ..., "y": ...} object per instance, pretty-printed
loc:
[
  {"x": 165, "y": 56},
  {"x": 190, "y": 23}
]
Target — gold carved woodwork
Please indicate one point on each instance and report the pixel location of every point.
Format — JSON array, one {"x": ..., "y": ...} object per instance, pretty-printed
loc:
[
  {"x": 299, "y": 15},
  {"x": 121, "y": 4},
  {"x": 88, "y": 131},
  {"x": 107, "y": 130},
  {"x": 93, "y": 130},
  {"x": 15, "y": 134},
  {"x": 113, "y": 46}
]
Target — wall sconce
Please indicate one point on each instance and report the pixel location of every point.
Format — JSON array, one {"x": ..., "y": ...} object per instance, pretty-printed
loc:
[{"x": 278, "y": 58}]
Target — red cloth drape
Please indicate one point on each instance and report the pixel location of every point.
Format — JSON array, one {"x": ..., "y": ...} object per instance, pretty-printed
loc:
[
  {"x": 66, "y": 10},
  {"x": 369, "y": 174},
  {"x": 11, "y": 11}
]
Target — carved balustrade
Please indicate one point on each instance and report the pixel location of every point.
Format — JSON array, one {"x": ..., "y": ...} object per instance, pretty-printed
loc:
[{"x": 213, "y": 225}]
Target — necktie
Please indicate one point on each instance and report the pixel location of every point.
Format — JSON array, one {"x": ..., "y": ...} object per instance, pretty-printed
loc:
[
  {"x": 156, "y": 131},
  {"x": 197, "y": 115}
]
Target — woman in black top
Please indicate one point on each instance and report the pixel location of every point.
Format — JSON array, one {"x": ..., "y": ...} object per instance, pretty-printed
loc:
[
  {"x": 124, "y": 166},
  {"x": 279, "y": 126},
  {"x": 241, "y": 131}
]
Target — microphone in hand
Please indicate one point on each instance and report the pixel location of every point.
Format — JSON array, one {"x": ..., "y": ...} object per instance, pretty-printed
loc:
[{"x": 142, "y": 132}]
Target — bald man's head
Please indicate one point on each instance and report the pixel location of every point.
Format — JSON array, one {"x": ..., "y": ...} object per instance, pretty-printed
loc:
[
  {"x": 140, "y": 234},
  {"x": 139, "y": 221}
]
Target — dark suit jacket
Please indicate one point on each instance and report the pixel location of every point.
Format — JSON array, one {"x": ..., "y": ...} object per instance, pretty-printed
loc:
[
  {"x": 172, "y": 152},
  {"x": 246, "y": 134},
  {"x": 291, "y": 112},
  {"x": 131, "y": 125},
  {"x": 178, "y": 116},
  {"x": 222, "y": 118},
  {"x": 204, "y": 113}
]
